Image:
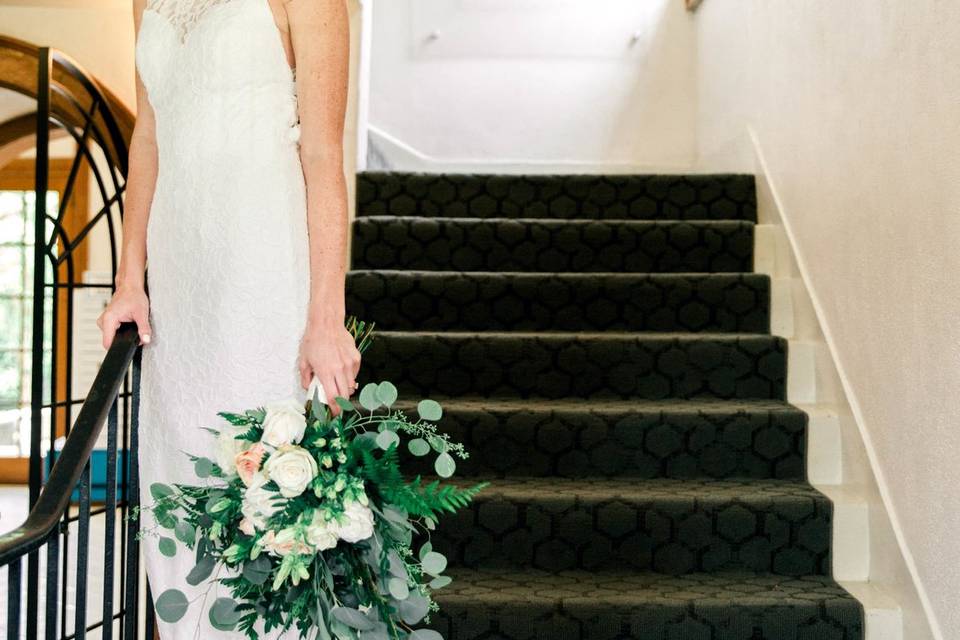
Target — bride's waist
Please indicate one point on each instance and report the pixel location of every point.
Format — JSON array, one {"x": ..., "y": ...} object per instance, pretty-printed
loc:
[
  {"x": 227, "y": 152},
  {"x": 223, "y": 125}
]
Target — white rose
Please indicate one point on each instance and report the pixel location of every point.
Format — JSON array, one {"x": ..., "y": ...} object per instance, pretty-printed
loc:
[
  {"x": 320, "y": 533},
  {"x": 356, "y": 523},
  {"x": 228, "y": 447},
  {"x": 259, "y": 503},
  {"x": 284, "y": 423},
  {"x": 292, "y": 468}
]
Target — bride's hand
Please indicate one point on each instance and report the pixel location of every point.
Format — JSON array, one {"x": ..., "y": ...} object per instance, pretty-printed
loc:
[
  {"x": 129, "y": 304},
  {"x": 329, "y": 353}
]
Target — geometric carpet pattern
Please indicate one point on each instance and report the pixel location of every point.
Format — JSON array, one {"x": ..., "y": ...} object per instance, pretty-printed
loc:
[{"x": 602, "y": 347}]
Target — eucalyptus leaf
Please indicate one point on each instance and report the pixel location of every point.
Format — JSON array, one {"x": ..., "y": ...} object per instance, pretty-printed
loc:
[
  {"x": 425, "y": 549},
  {"x": 429, "y": 410},
  {"x": 201, "y": 571},
  {"x": 445, "y": 465},
  {"x": 439, "y": 444},
  {"x": 397, "y": 568},
  {"x": 344, "y": 404},
  {"x": 440, "y": 582},
  {"x": 171, "y": 605},
  {"x": 369, "y": 398},
  {"x": 434, "y": 563},
  {"x": 352, "y": 618},
  {"x": 203, "y": 467},
  {"x": 159, "y": 491},
  {"x": 413, "y": 609},
  {"x": 257, "y": 571},
  {"x": 166, "y": 519},
  {"x": 224, "y": 615},
  {"x": 393, "y": 514},
  {"x": 386, "y": 393},
  {"x": 425, "y": 634},
  {"x": 167, "y": 546},
  {"x": 185, "y": 532},
  {"x": 387, "y": 439},
  {"x": 418, "y": 447},
  {"x": 398, "y": 588}
]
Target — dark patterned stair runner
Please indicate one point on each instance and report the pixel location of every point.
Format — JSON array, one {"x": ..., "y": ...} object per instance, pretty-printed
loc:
[{"x": 604, "y": 352}]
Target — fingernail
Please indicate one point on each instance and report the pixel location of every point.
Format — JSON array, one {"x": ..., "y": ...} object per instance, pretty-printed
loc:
[{"x": 146, "y": 338}]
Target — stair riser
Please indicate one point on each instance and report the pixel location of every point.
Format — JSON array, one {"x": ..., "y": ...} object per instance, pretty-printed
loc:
[
  {"x": 533, "y": 302},
  {"x": 672, "y": 535},
  {"x": 561, "y": 366},
  {"x": 581, "y": 444},
  {"x": 551, "y": 246},
  {"x": 730, "y": 197}
]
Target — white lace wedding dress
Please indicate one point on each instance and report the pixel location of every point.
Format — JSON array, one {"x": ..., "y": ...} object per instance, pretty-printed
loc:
[{"x": 228, "y": 257}]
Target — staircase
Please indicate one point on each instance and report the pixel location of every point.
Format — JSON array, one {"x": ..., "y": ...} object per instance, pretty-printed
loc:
[{"x": 602, "y": 347}]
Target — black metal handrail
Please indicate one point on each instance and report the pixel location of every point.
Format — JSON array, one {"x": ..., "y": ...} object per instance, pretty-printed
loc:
[
  {"x": 57, "y": 532},
  {"x": 67, "y": 472}
]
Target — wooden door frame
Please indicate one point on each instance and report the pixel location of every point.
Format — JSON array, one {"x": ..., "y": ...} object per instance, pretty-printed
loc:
[{"x": 18, "y": 175}]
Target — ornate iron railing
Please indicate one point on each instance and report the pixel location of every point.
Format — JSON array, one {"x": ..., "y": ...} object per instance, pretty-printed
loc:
[{"x": 53, "y": 594}]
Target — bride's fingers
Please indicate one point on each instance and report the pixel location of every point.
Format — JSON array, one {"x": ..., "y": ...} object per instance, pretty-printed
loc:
[
  {"x": 345, "y": 384},
  {"x": 306, "y": 373}
]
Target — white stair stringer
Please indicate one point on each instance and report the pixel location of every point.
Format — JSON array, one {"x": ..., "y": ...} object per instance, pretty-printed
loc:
[{"x": 837, "y": 464}]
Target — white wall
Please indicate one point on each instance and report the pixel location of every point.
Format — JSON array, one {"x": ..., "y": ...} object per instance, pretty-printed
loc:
[
  {"x": 97, "y": 33},
  {"x": 855, "y": 107},
  {"x": 544, "y": 82}
]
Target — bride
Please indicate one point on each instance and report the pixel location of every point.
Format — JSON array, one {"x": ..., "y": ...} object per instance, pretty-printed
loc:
[{"x": 236, "y": 200}]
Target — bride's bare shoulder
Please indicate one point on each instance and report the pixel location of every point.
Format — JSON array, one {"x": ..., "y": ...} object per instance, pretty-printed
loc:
[{"x": 314, "y": 6}]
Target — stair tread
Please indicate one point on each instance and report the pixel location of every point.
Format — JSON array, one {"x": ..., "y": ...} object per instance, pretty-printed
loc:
[
  {"x": 587, "y": 335},
  {"x": 704, "y": 490},
  {"x": 559, "y": 222},
  {"x": 614, "y": 405},
  {"x": 637, "y": 587},
  {"x": 571, "y": 275},
  {"x": 649, "y": 196},
  {"x": 542, "y": 244}
]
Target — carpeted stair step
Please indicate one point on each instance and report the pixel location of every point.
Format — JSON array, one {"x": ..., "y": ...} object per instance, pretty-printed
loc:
[
  {"x": 646, "y": 197},
  {"x": 477, "y": 301},
  {"x": 661, "y": 525},
  {"x": 650, "y": 366},
  {"x": 500, "y": 604},
  {"x": 624, "y": 438},
  {"x": 503, "y": 244}
]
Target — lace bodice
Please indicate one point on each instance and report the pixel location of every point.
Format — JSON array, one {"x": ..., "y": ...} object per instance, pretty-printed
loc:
[
  {"x": 210, "y": 65},
  {"x": 183, "y": 15}
]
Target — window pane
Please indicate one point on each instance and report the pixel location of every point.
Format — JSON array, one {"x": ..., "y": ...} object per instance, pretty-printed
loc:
[
  {"x": 11, "y": 270},
  {"x": 10, "y": 392},
  {"x": 11, "y": 323},
  {"x": 11, "y": 217}
]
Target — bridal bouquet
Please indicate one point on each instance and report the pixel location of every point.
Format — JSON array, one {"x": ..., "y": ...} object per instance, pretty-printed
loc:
[{"x": 309, "y": 520}]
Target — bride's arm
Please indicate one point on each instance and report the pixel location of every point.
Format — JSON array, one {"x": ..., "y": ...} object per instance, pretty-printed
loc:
[
  {"x": 129, "y": 302},
  {"x": 320, "y": 35}
]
